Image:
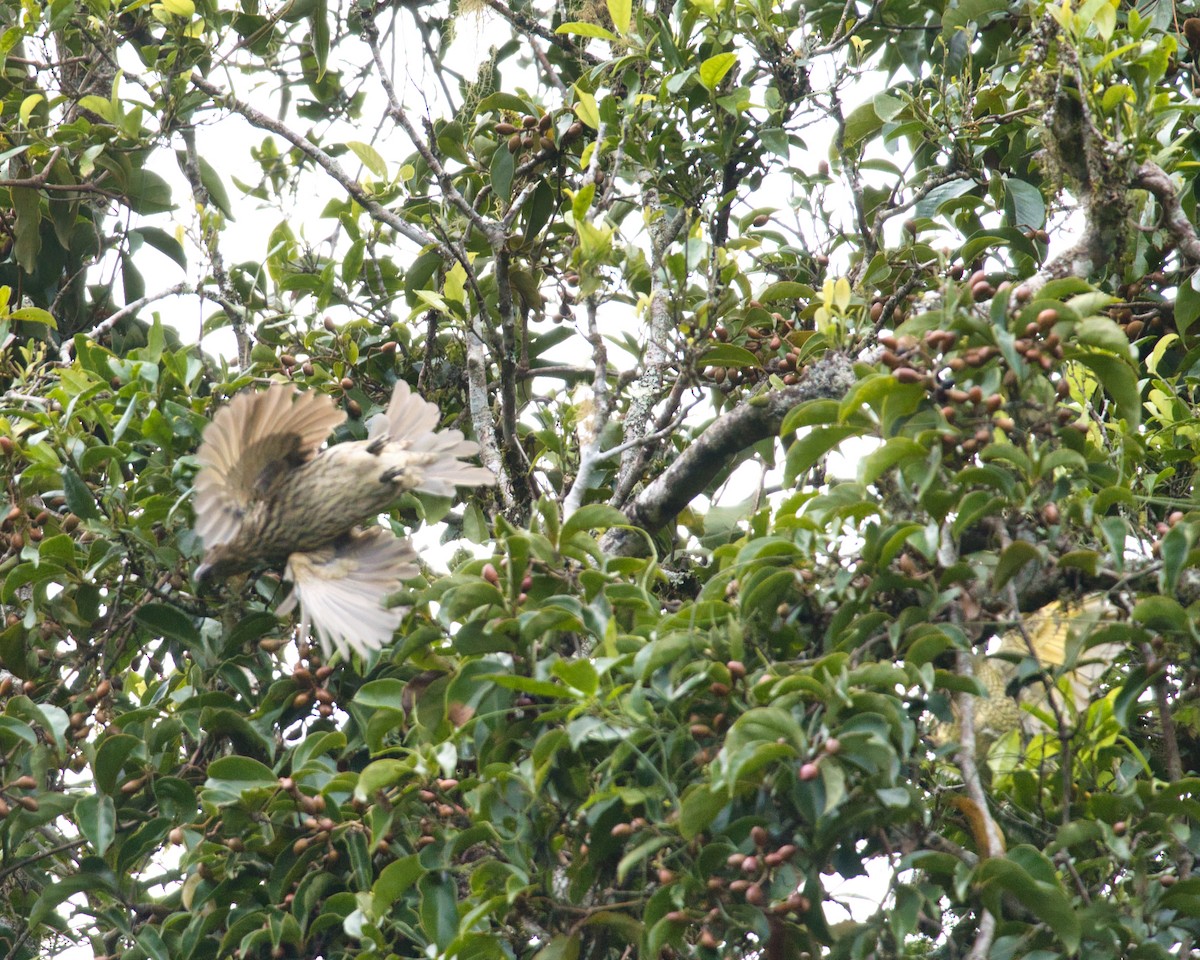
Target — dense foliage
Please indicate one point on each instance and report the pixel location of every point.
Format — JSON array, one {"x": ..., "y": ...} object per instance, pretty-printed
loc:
[{"x": 922, "y": 274}]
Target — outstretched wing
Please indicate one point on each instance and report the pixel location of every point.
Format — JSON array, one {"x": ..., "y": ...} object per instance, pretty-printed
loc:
[
  {"x": 251, "y": 441},
  {"x": 341, "y": 590},
  {"x": 411, "y": 423}
]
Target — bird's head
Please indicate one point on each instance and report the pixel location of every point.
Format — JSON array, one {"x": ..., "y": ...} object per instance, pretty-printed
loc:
[{"x": 218, "y": 563}]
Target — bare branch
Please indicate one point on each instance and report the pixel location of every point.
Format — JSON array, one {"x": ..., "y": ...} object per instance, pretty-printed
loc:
[
  {"x": 743, "y": 426},
  {"x": 133, "y": 307},
  {"x": 494, "y": 232},
  {"x": 648, "y": 388},
  {"x": 325, "y": 162},
  {"x": 590, "y": 456},
  {"x": 237, "y": 316}
]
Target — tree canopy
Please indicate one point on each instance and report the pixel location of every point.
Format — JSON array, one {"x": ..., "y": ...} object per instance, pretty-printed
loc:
[{"x": 838, "y": 364}]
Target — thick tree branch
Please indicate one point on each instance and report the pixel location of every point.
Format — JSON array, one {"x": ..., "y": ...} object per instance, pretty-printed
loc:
[
  {"x": 648, "y": 389},
  {"x": 743, "y": 426},
  {"x": 1153, "y": 178}
]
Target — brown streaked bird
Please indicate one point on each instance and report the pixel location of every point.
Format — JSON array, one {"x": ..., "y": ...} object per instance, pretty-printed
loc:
[{"x": 267, "y": 494}]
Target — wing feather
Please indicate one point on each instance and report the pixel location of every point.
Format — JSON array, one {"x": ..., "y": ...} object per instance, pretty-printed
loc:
[{"x": 251, "y": 440}]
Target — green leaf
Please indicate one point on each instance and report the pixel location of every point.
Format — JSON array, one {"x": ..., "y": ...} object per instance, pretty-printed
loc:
[
  {"x": 319, "y": 36},
  {"x": 1044, "y": 897},
  {"x": 1014, "y": 557},
  {"x": 393, "y": 881},
  {"x": 807, "y": 450},
  {"x": 110, "y": 759},
  {"x": 151, "y": 941},
  {"x": 862, "y": 122},
  {"x": 700, "y": 807},
  {"x": 232, "y": 777},
  {"x": 35, "y": 315},
  {"x": 386, "y": 694},
  {"x": 379, "y": 775},
  {"x": 729, "y": 355},
  {"x": 503, "y": 166},
  {"x": 785, "y": 290},
  {"x": 100, "y": 106},
  {"x": 1104, "y": 333},
  {"x": 148, "y": 193},
  {"x": 96, "y": 817},
  {"x": 370, "y": 157},
  {"x": 713, "y": 70},
  {"x": 639, "y": 854},
  {"x": 1023, "y": 203},
  {"x": 1174, "y": 550},
  {"x": 896, "y": 452},
  {"x": 27, "y": 107},
  {"x": 439, "y": 908},
  {"x": 563, "y": 946},
  {"x": 161, "y": 241},
  {"x": 1160, "y": 614},
  {"x": 811, "y": 413},
  {"x": 27, "y": 206},
  {"x": 578, "y": 674},
  {"x": 1187, "y": 303},
  {"x": 583, "y": 29},
  {"x": 167, "y": 621},
  {"x": 180, "y": 8},
  {"x": 1119, "y": 380},
  {"x": 93, "y": 881},
  {"x": 79, "y": 497},
  {"x": 594, "y": 516}
]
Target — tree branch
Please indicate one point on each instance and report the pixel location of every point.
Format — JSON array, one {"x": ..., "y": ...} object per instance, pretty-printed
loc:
[
  {"x": 1153, "y": 178},
  {"x": 325, "y": 162},
  {"x": 743, "y": 426},
  {"x": 237, "y": 316}
]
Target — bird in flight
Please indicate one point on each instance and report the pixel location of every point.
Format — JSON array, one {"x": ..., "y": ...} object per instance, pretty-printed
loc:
[{"x": 268, "y": 494}]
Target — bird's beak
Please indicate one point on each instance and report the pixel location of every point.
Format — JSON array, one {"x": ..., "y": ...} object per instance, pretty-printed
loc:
[{"x": 203, "y": 572}]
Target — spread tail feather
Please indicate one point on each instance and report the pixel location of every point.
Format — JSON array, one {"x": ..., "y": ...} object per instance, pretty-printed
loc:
[{"x": 411, "y": 423}]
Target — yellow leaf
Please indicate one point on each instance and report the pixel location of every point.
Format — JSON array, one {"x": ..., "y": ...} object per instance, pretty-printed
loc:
[
  {"x": 827, "y": 293},
  {"x": 27, "y": 107},
  {"x": 841, "y": 293},
  {"x": 620, "y": 10},
  {"x": 455, "y": 286},
  {"x": 586, "y": 108}
]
